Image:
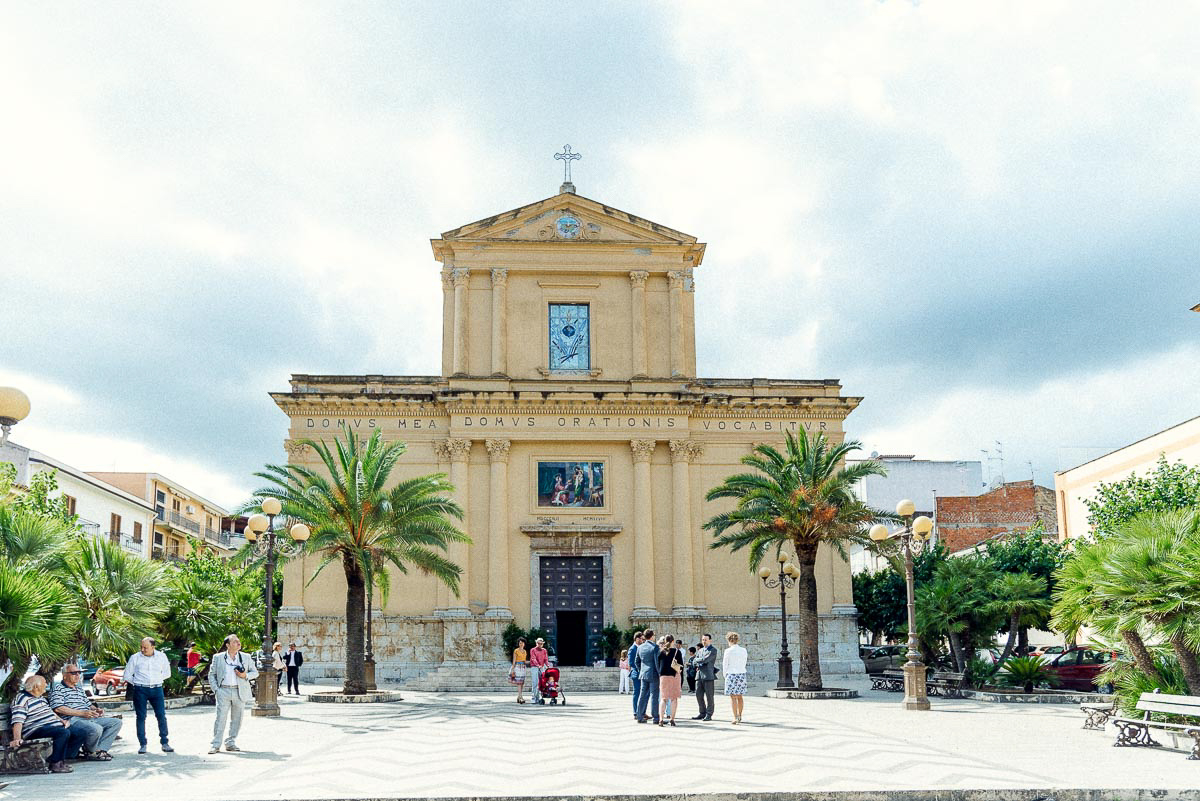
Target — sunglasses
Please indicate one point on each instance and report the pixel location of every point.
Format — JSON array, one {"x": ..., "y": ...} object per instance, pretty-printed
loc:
[{"x": 72, "y": 672}]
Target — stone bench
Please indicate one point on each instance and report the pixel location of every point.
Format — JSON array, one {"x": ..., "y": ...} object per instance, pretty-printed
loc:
[
  {"x": 1136, "y": 731},
  {"x": 890, "y": 680},
  {"x": 30, "y": 757},
  {"x": 946, "y": 684}
]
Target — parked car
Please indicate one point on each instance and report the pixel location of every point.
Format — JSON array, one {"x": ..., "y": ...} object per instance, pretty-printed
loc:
[
  {"x": 882, "y": 657},
  {"x": 1077, "y": 668},
  {"x": 109, "y": 682},
  {"x": 1049, "y": 651}
]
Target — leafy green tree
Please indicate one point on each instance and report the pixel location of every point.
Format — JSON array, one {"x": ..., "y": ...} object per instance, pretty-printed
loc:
[
  {"x": 1024, "y": 601},
  {"x": 1029, "y": 553},
  {"x": 802, "y": 497},
  {"x": 113, "y": 600},
  {"x": 355, "y": 519},
  {"x": 881, "y": 599},
  {"x": 39, "y": 497},
  {"x": 34, "y": 619},
  {"x": 1152, "y": 571},
  {"x": 957, "y": 604},
  {"x": 1168, "y": 486},
  {"x": 1081, "y": 598}
]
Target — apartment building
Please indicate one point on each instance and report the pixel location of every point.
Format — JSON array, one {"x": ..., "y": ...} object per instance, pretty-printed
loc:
[
  {"x": 104, "y": 509},
  {"x": 178, "y": 513}
]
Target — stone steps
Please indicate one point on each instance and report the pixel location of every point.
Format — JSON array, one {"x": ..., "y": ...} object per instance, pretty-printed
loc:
[{"x": 481, "y": 679}]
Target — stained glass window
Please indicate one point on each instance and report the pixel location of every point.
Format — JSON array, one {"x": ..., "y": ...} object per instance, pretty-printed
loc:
[{"x": 570, "y": 337}]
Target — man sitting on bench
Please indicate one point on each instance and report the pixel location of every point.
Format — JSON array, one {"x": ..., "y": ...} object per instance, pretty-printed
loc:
[
  {"x": 33, "y": 719},
  {"x": 70, "y": 702}
]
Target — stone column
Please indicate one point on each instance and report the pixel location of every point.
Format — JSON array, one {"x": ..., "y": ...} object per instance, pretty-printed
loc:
[
  {"x": 643, "y": 529},
  {"x": 498, "y": 529},
  {"x": 682, "y": 571},
  {"x": 457, "y": 452},
  {"x": 462, "y": 278},
  {"x": 499, "y": 322},
  {"x": 675, "y": 321},
  {"x": 637, "y": 278}
]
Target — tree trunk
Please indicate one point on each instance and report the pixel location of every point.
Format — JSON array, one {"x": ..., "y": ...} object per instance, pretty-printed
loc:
[
  {"x": 1141, "y": 655},
  {"x": 1187, "y": 663},
  {"x": 356, "y": 680},
  {"x": 808, "y": 657},
  {"x": 957, "y": 649},
  {"x": 1023, "y": 641},
  {"x": 1008, "y": 645}
]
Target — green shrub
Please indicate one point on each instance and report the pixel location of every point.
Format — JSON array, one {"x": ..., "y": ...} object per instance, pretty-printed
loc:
[
  {"x": 1026, "y": 671},
  {"x": 979, "y": 672},
  {"x": 1129, "y": 683},
  {"x": 512, "y": 632}
]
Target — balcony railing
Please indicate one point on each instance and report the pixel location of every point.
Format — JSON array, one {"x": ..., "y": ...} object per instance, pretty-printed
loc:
[
  {"x": 89, "y": 527},
  {"x": 179, "y": 520},
  {"x": 125, "y": 541},
  {"x": 217, "y": 537},
  {"x": 170, "y": 553}
]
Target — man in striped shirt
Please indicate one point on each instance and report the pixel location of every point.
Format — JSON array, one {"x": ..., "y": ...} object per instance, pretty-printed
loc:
[
  {"x": 32, "y": 719},
  {"x": 69, "y": 700}
]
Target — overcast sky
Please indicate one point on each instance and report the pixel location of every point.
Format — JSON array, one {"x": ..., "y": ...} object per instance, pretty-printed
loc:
[{"x": 983, "y": 218}]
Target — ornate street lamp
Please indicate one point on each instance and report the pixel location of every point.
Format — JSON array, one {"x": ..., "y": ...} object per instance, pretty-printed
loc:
[
  {"x": 786, "y": 578},
  {"x": 14, "y": 407},
  {"x": 913, "y": 538},
  {"x": 267, "y": 688}
]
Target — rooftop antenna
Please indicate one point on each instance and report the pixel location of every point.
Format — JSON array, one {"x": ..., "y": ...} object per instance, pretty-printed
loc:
[
  {"x": 1031, "y": 475},
  {"x": 1000, "y": 455},
  {"x": 987, "y": 466}
]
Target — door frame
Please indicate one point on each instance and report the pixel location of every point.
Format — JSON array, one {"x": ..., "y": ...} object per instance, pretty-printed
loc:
[{"x": 568, "y": 539}]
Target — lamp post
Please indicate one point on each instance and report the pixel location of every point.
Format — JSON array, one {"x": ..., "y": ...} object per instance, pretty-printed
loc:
[
  {"x": 267, "y": 689},
  {"x": 786, "y": 578},
  {"x": 14, "y": 407},
  {"x": 912, "y": 538}
]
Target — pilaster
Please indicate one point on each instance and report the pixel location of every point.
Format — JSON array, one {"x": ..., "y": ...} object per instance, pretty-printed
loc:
[
  {"x": 457, "y": 452},
  {"x": 643, "y": 529},
  {"x": 499, "y": 322},
  {"x": 675, "y": 280},
  {"x": 461, "y": 278},
  {"x": 683, "y": 452},
  {"x": 498, "y": 573},
  {"x": 637, "y": 281}
]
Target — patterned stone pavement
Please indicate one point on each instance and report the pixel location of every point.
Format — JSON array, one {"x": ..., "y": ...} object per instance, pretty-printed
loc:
[{"x": 433, "y": 745}]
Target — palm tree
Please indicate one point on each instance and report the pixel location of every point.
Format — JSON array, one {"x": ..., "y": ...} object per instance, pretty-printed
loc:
[
  {"x": 1143, "y": 573},
  {"x": 1079, "y": 601},
  {"x": 113, "y": 597},
  {"x": 1021, "y": 598},
  {"x": 355, "y": 519},
  {"x": 30, "y": 539},
  {"x": 34, "y": 619},
  {"x": 803, "y": 497}
]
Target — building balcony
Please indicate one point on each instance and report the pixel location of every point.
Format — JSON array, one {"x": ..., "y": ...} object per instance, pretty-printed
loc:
[
  {"x": 220, "y": 538},
  {"x": 178, "y": 522},
  {"x": 91, "y": 528},
  {"x": 125, "y": 541},
  {"x": 167, "y": 553}
]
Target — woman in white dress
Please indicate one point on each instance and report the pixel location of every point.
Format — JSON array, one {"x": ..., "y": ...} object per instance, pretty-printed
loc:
[{"x": 733, "y": 665}]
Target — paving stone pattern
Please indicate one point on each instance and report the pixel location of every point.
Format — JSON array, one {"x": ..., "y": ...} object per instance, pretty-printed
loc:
[{"x": 456, "y": 745}]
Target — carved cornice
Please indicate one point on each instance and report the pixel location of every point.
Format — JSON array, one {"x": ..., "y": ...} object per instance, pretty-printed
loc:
[
  {"x": 570, "y": 529},
  {"x": 638, "y": 278},
  {"x": 685, "y": 450},
  {"x": 499, "y": 278},
  {"x": 642, "y": 449},
  {"x": 461, "y": 276},
  {"x": 498, "y": 449}
]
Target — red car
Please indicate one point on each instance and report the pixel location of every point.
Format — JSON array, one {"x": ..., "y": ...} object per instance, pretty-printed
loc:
[
  {"x": 108, "y": 682},
  {"x": 1078, "y": 668}
]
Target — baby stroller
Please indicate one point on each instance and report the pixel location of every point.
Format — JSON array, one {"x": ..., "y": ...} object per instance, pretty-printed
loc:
[{"x": 548, "y": 687}]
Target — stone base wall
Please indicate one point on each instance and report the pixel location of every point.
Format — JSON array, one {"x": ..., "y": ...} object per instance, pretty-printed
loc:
[{"x": 409, "y": 647}]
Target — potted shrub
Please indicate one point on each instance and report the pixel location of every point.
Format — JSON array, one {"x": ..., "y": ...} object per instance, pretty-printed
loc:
[
  {"x": 611, "y": 637},
  {"x": 1027, "y": 671}
]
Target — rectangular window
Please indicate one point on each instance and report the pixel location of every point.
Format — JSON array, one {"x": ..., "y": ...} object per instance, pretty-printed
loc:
[
  {"x": 160, "y": 512},
  {"x": 570, "y": 337},
  {"x": 114, "y": 528},
  {"x": 70, "y": 503},
  {"x": 137, "y": 532},
  {"x": 160, "y": 496},
  {"x": 175, "y": 505}
]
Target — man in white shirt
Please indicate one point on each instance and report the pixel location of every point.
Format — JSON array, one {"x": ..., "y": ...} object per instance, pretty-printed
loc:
[{"x": 145, "y": 673}]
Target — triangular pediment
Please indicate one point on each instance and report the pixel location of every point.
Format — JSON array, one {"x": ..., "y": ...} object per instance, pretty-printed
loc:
[{"x": 568, "y": 217}]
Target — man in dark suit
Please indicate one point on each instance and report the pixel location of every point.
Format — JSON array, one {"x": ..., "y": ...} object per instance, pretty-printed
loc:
[
  {"x": 706, "y": 676},
  {"x": 292, "y": 660},
  {"x": 635, "y": 671},
  {"x": 648, "y": 677}
]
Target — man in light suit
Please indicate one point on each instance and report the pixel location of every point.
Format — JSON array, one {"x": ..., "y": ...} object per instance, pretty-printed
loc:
[
  {"x": 706, "y": 676},
  {"x": 229, "y": 675},
  {"x": 648, "y": 677}
]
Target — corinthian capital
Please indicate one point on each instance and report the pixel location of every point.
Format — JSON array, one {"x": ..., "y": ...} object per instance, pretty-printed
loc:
[
  {"x": 498, "y": 449},
  {"x": 675, "y": 279},
  {"x": 642, "y": 449},
  {"x": 685, "y": 450},
  {"x": 447, "y": 279},
  {"x": 461, "y": 276},
  {"x": 295, "y": 448},
  {"x": 499, "y": 277},
  {"x": 638, "y": 278},
  {"x": 459, "y": 450}
]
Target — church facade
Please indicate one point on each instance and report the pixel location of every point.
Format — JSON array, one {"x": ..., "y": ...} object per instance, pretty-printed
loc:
[{"x": 570, "y": 417}]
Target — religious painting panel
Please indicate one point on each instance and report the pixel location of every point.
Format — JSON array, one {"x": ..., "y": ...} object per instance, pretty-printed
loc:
[{"x": 570, "y": 485}]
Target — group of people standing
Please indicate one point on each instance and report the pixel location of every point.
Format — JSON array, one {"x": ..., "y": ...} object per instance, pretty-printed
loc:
[
  {"x": 528, "y": 666},
  {"x": 656, "y": 670}
]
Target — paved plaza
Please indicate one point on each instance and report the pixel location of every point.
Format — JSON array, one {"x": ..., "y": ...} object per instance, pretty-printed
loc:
[{"x": 437, "y": 745}]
